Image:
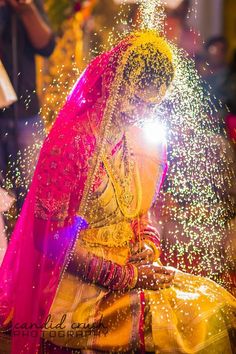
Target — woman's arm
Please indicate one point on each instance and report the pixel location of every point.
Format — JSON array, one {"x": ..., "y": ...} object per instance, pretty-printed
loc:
[
  {"x": 102, "y": 272},
  {"x": 38, "y": 31}
]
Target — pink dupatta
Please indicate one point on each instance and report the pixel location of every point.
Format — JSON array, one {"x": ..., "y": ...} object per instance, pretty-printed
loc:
[{"x": 49, "y": 224}]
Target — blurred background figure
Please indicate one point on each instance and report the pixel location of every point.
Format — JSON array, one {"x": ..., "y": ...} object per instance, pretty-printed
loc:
[
  {"x": 201, "y": 65},
  {"x": 24, "y": 32},
  {"x": 177, "y": 28},
  {"x": 218, "y": 75}
]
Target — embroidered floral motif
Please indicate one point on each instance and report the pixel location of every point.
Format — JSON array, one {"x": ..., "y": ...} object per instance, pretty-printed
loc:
[
  {"x": 61, "y": 170},
  {"x": 115, "y": 235}
]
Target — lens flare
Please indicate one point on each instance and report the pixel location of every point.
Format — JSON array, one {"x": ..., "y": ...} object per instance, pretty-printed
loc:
[{"x": 155, "y": 132}]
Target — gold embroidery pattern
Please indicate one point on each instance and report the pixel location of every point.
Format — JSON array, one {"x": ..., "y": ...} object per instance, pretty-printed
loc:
[
  {"x": 123, "y": 185},
  {"x": 115, "y": 235}
]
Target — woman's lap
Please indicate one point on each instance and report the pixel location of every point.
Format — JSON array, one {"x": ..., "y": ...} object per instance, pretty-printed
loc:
[{"x": 194, "y": 312}]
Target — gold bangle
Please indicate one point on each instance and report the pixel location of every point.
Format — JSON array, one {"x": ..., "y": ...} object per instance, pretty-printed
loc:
[{"x": 154, "y": 248}]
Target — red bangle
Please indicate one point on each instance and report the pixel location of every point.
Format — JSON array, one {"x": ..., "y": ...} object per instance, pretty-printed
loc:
[
  {"x": 110, "y": 275},
  {"x": 115, "y": 284},
  {"x": 91, "y": 269},
  {"x": 103, "y": 272},
  {"x": 126, "y": 278},
  {"x": 107, "y": 274},
  {"x": 130, "y": 275}
]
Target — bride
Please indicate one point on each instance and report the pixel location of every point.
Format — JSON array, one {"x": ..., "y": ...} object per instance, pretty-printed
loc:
[{"x": 82, "y": 270}]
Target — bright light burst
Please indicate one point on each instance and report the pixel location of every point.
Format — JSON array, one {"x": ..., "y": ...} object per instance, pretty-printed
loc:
[{"x": 155, "y": 132}]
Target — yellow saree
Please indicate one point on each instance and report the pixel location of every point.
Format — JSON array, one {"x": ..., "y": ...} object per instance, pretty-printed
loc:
[{"x": 194, "y": 315}]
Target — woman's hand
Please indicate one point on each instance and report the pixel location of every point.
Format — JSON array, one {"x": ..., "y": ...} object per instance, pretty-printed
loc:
[
  {"x": 154, "y": 277},
  {"x": 146, "y": 254}
]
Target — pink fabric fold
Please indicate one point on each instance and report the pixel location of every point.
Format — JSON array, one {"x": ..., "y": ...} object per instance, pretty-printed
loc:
[{"x": 49, "y": 224}]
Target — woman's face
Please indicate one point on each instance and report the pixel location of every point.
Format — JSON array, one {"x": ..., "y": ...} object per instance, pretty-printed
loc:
[{"x": 139, "y": 104}]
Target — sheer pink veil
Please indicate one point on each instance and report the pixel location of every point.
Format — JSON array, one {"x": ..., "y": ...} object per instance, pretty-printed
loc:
[{"x": 49, "y": 224}]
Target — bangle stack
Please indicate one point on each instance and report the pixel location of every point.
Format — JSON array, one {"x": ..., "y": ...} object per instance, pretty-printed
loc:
[
  {"x": 109, "y": 274},
  {"x": 149, "y": 234},
  {"x": 139, "y": 225},
  {"x": 146, "y": 231}
]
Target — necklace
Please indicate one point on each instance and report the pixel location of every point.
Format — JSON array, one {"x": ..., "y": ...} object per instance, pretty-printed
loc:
[
  {"x": 115, "y": 134},
  {"x": 123, "y": 184}
]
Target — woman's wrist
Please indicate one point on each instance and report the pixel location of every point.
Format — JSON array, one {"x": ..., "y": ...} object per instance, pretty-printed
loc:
[
  {"x": 108, "y": 274},
  {"x": 145, "y": 231}
]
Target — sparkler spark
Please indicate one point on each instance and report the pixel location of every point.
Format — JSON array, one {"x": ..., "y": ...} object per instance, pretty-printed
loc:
[{"x": 152, "y": 15}]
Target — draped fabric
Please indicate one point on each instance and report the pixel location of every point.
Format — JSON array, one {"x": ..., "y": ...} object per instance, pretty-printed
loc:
[{"x": 48, "y": 225}]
